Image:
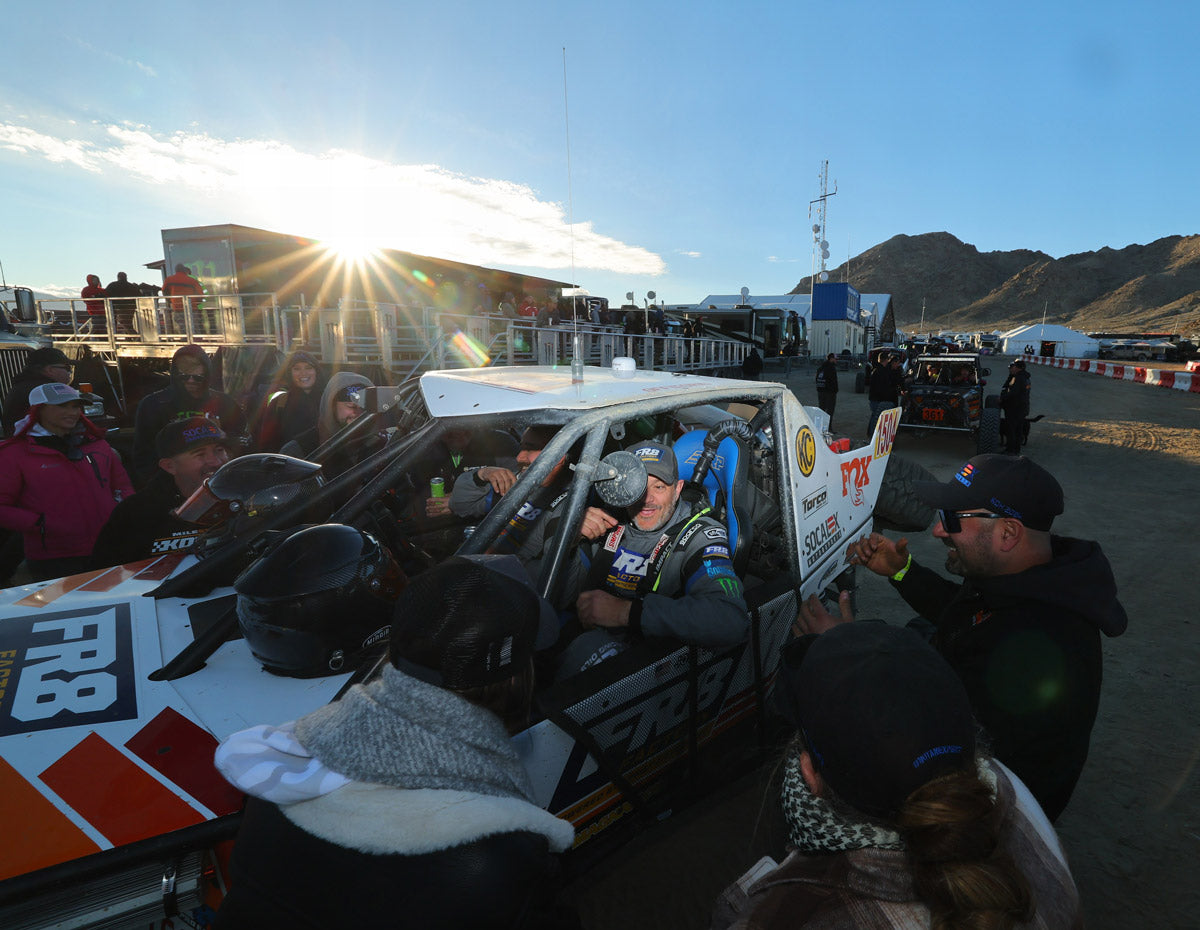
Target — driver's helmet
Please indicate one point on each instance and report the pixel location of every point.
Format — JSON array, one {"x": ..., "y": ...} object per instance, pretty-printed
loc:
[
  {"x": 319, "y": 602},
  {"x": 250, "y": 486}
]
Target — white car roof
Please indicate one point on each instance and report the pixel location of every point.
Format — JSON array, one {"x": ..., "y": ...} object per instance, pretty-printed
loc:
[{"x": 471, "y": 392}]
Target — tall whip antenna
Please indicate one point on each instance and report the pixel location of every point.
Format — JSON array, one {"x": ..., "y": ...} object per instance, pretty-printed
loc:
[{"x": 576, "y": 351}]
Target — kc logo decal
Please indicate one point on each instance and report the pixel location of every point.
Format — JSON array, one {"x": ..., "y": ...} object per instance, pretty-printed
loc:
[
  {"x": 806, "y": 451},
  {"x": 855, "y": 477}
]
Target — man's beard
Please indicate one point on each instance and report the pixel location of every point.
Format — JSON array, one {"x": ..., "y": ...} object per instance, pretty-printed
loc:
[{"x": 664, "y": 517}]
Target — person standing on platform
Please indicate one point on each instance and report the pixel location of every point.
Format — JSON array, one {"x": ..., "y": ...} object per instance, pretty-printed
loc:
[
  {"x": 93, "y": 296},
  {"x": 123, "y": 310},
  {"x": 185, "y": 293}
]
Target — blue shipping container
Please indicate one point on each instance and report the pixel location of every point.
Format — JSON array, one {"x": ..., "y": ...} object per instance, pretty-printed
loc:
[{"x": 832, "y": 301}]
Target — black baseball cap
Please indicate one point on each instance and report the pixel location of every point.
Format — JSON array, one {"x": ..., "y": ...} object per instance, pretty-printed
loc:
[
  {"x": 180, "y": 436},
  {"x": 42, "y": 358},
  {"x": 659, "y": 460},
  {"x": 467, "y": 623},
  {"x": 881, "y": 712},
  {"x": 1014, "y": 486}
]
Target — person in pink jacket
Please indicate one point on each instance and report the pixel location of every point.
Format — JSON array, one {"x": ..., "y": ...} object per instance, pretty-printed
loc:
[{"x": 59, "y": 481}]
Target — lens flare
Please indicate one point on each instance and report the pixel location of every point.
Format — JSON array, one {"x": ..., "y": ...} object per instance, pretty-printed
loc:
[{"x": 469, "y": 350}]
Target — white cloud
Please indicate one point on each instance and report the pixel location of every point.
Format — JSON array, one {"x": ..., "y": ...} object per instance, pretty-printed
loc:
[
  {"x": 687, "y": 254},
  {"x": 338, "y": 194},
  {"x": 126, "y": 62},
  {"x": 775, "y": 259}
]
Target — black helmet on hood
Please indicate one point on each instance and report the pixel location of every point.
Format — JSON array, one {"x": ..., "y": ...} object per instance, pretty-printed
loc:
[{"x": 319, "y": 602}]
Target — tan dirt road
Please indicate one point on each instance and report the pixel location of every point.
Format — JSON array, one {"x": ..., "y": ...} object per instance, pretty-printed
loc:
[{"x": 1128, "y": 458}]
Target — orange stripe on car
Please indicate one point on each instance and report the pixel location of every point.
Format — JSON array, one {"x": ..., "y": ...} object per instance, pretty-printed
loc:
[
  {"x": 116, "y": 795},
  {"x": 116, "y": 575},
  {"x": 40, "y": 835},
  {"x": 56, "y": 589}
]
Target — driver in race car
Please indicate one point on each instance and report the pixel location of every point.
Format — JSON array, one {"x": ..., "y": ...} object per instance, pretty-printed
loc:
[
  {"x": 476, "y": 492},
  {"x": 665, "y": 571}
]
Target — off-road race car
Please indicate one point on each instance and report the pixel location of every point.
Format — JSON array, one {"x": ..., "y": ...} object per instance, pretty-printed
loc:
[
  {"x": 946, "y": 392},
  {"x": 117, "y": 685}
]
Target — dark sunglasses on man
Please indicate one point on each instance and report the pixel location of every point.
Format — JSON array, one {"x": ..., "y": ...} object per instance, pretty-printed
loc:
[{"x": 951, "y": 519}]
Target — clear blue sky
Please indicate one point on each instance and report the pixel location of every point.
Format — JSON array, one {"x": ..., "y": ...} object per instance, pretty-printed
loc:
[{"x": 697, "y": 131}]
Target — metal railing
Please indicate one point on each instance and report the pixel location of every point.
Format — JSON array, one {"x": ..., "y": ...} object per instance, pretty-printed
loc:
[{"x": 396, "y": 337}]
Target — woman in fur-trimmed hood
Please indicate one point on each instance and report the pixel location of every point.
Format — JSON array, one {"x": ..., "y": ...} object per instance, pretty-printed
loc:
[{"x": 404, "y": 803}]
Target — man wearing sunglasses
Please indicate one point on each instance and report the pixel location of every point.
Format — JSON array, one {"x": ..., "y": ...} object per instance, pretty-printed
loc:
[
  {"x": 1023, "y": 627},
  {"x": 188, "y": 395}
]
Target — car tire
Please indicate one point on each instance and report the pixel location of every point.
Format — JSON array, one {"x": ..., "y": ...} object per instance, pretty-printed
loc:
[
  {"x": 987, "y": 439},
  {"x": 897, "y": 507},
  {"x": 860, "y": 383}
]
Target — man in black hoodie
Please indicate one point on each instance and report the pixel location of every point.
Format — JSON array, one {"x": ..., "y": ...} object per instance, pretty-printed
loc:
[
  {"x": 1023, "y": 629},
  {"x": 189, "y": 395}
]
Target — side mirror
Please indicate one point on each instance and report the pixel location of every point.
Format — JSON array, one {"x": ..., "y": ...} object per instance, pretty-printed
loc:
[{"x": 621, "y": 479}]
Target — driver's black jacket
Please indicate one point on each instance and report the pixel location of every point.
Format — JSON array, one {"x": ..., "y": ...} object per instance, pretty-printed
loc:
[
  {"x": 694, "y": 595},
  {"x": 143, "y": 526},
  {"x": 1027, "y": 648}
]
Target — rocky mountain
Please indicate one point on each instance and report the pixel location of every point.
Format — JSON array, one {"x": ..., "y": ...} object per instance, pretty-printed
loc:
[{"x": 1153, "y": 287}]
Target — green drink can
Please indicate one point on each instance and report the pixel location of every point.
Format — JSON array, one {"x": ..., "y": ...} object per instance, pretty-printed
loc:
[{"x": 437, "y": 487}]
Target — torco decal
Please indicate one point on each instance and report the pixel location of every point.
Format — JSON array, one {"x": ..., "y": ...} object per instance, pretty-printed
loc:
[
  {"x": 806, "y": 451},
  {"x": 815, "y": 501},
  {"x": 855, "y": 477},
  {"x": 821, "y": 540},
  {"x": 66, "y": 670},
  {"x": 885, "y": 435}
]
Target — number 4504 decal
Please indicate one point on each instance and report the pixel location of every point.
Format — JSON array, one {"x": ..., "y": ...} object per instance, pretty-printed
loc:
[{"x": 66, "y": 669}]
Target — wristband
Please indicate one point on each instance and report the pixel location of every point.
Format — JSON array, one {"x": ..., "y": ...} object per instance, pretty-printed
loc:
[
  {"x": 899, "y": 576},
  {"x": 635, "y": 618}
]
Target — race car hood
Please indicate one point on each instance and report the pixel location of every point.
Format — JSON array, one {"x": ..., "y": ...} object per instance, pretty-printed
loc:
[{"x": 94, "y": 754}]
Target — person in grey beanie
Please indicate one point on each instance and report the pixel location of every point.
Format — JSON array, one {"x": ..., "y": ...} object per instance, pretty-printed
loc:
[{"x": 404, "y": 803}]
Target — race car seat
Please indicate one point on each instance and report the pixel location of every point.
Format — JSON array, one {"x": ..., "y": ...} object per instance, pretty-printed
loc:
[{"x": 727, "y": 485}]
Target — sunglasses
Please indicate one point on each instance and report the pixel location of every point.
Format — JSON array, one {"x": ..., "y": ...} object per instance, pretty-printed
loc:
[
  {"x": 950, "y": 519},
  {"x": 193, "y": 377}
]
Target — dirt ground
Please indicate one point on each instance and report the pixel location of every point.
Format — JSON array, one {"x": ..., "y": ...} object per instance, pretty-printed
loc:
[{"x": 1128, "y": 458}]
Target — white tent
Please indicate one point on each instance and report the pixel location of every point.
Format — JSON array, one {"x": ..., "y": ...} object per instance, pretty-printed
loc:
[{"x": 1049, "y": 339}]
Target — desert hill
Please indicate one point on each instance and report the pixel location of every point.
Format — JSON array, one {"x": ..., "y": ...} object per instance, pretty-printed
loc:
[{"x": 1153, "y": 287}]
